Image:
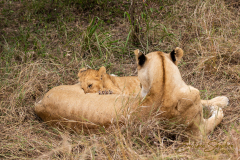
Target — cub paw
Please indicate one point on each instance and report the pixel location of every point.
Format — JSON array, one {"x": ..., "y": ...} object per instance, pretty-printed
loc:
[{"x": 105, "y": 92}]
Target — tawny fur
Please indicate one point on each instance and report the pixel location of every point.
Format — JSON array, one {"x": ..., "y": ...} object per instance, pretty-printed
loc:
[
  {"x": 163, "y": 90},
  {"x": 93, "y": 81}
]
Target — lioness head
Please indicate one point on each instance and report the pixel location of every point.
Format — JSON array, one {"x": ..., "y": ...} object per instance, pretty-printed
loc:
[
  {"x": 91, "y": 80},
  {"x": 154, "y": 72}
]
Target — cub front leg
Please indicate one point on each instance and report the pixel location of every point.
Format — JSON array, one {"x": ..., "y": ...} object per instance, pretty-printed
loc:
[
  {"x": 104, "y": 92},
  {"x": 109, "y": 84}
]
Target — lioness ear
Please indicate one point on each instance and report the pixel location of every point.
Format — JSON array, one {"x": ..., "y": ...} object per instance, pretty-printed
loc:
[
  {"x": 140, "y": 57},
  {"x": 176, "y": 55},
  {"x": 101, "y": 71}
]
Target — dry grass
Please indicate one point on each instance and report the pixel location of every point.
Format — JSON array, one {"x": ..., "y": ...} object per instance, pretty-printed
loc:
[{"x": 43, "y": 45}]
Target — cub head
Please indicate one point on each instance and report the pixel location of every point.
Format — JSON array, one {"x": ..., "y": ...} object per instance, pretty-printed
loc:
[
  {"x": 91, "y": 80},
  {"x": 154, "y": 68}
]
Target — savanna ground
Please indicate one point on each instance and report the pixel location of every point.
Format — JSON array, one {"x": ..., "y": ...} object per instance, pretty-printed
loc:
[{"x": 43, "y": 44}]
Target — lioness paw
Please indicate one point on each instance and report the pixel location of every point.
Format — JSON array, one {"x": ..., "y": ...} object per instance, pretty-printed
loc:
[
  {"x": 220, "y": 101},
  {"x": 216, "y": 112}
]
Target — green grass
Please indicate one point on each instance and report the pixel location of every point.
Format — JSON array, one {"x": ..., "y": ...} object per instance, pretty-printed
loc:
[{"x": 43, "y": 44}]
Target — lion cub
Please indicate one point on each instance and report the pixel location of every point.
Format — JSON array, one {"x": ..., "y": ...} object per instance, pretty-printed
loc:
[{"x": 94, "y": 81}]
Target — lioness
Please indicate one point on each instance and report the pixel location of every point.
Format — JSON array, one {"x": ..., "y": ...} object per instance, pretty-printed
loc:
[
  {"x": 93, "y": 81},
  {"x": 163, "y": 90}
]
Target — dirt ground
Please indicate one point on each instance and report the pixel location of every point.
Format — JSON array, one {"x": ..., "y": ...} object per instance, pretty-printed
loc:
[{"x": 43, "y": 44}]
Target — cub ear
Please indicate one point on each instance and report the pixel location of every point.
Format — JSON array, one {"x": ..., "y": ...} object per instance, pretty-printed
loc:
[
  {"x": 82, "y": 70},
  {"x": 140, "y": 57},
  {"x": 101, "y": 71},
  {"x": 176, "y": 55}
]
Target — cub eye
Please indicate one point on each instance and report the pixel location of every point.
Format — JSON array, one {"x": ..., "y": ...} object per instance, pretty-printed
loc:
[{"x": 90, "y": 85}]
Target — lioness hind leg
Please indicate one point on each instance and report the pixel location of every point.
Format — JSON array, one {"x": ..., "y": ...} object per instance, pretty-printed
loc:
[
  {"x": 215, "y": 105},
  {"x": 214, "y": 120},
  {"x": 220, "y": 101}
]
